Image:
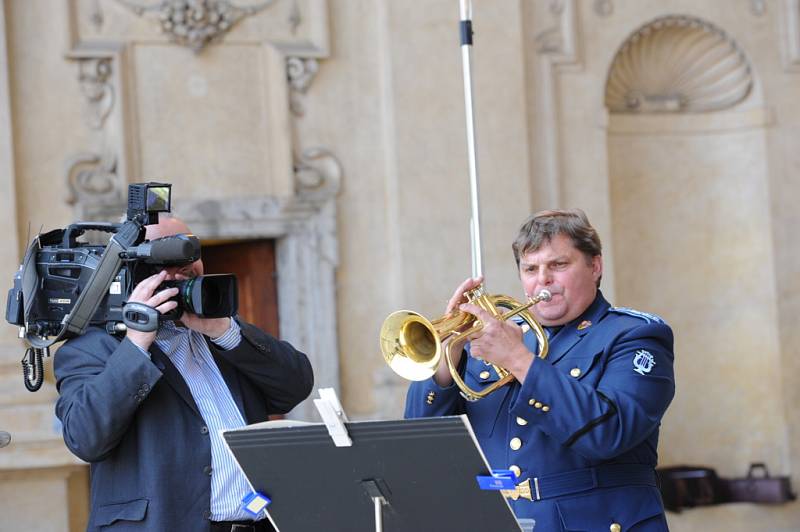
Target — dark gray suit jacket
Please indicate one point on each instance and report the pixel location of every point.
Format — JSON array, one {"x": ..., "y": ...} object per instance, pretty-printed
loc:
[{"x": 135, "y": 422}]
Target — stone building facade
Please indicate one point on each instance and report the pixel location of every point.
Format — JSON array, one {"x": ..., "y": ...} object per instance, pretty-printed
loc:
[{"x": 336, "y": 128}]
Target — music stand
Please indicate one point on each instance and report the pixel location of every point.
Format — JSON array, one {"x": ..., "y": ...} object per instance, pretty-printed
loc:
[{"x": 424, "y": 470}]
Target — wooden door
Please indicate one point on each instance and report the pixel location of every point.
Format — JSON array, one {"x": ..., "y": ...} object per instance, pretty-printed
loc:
[{"x": 253, "y": 263}]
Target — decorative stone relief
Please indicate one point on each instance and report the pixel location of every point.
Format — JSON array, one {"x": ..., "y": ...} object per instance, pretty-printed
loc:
[
  {"x": 301, "y": 73},
  {"x": 551, "y": 40},
  {"x": 558, "y": 49},
  {"x": 93, "y": 178},
  {"x": 318, "y": 173},
  {"x": 94, "y": 81},
  {"x": 603, "y": 8},
  {"x": 295, "y": 18},
  {"x": 758, "y": 7},
  {"x": 195, "y": 23},
  {"x": 677, "y": 64},
  {"x": 790, "y": 22}
]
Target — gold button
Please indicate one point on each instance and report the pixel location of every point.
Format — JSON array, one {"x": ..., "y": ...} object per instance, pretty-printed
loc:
[
  {"x": 484, "y": 374},
  {"x": 545, "y": 408},
  {"x": 517, "y": 471},
  {"x": 521, "y": 421},
  {"x": 515, "y": 444},
  {"x": 537, "y": 405},
  {"x": 575, "y": 372},
  {"x": 532, "y": 402},
  {"x": 615, "y": 527}
]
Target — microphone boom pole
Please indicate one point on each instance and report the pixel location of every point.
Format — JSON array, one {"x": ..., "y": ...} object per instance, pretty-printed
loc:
[{"x": 466, "y": 62}]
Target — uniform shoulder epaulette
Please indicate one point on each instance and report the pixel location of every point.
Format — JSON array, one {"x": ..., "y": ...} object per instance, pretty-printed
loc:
[{"x": 638, "y": 313}]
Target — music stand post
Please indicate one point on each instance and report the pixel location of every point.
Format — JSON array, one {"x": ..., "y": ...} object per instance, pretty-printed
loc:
[{"x": 394, "y": 476}]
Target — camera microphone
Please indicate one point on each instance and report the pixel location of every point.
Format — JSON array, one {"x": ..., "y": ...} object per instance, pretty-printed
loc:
[
  {"x": 176, "y": 249},
  {"x": 5, "y": 438}
]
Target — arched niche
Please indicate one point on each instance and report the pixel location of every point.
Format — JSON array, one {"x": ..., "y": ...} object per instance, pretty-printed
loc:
[{"x": 691, "y": 226}]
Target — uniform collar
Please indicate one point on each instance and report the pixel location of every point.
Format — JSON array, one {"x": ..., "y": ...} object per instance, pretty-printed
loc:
[{"x": 575, "y": 330}]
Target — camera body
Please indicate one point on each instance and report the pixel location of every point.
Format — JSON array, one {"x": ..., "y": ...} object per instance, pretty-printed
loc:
[
  {"x": 65, "y": 285},
  {"x": 64, "y": 267}
]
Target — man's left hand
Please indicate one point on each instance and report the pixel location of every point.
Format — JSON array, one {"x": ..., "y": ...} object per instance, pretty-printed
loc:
[
  {"x": 211, "y": 327},
  {"x": 499, "y": 343}
]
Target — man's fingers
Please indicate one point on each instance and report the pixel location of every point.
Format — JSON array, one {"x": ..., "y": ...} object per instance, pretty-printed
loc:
[
  {"x": 476, "y": 311},
  {"x": 458, "y": 295},
  {"x": 144, "y": 290},
  {"x": 166, "y": 307},
  {"x": 162, "y": 296}
]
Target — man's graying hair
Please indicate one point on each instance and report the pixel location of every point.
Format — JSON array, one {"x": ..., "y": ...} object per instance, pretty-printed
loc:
[{"x": 541, "y": 227}]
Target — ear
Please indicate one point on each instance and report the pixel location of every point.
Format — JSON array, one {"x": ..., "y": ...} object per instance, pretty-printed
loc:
[{"x": 597, "y": 267}]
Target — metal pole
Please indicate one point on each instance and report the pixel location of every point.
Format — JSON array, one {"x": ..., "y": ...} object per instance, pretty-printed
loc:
[
  {"x": 378, "y": 502},
  {"x": 466, "y": 62}
]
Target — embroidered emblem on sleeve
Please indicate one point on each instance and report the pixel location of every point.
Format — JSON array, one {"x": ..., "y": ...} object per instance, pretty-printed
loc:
[{"x": 643, "y": 362}]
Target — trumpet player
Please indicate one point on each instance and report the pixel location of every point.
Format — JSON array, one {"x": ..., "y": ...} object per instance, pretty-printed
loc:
[{"x": 580, "y": 427}]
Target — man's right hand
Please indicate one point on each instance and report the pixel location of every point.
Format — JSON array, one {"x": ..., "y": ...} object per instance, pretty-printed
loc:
[
  {"x": 442, "y": 375},
  {"x": 144, "y": 293}
]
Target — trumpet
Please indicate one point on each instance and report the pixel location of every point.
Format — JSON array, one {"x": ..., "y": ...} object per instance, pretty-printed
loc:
[{"x": 413, "y": 345}]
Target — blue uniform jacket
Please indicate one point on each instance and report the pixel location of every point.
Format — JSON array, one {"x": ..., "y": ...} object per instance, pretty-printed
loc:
[
  {"x": 135, "y": 421},
  {"x": 591, "y": 408}
]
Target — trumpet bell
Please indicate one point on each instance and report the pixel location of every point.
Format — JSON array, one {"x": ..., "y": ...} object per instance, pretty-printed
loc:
[{"x": 410, "y": 345}]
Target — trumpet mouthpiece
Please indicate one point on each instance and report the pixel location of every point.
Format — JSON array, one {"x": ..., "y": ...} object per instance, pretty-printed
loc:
[{"x": 544, "y": 295}]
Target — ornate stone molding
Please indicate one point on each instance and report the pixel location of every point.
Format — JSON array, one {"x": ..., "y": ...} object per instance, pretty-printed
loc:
[
  {"x": 95, "y": 175},
  {"x": 560, "y": 41},
  {"x": 558, "y": 49},
  {"x": 300, "y": 73},
  {"x": 94, "y": 76},
  {"x": 195, "y": 23},
  {"x": 93, "y": 178},
  {"x": 790, "y": 25},
  {"x": 603, "y": 8},
  {"x": 318, "y": 174},
  {"x": 678, "y": 64},
  {"x": 758, "y": 7}
]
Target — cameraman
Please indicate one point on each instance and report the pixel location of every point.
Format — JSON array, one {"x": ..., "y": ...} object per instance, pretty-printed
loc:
[{"x": 146, "y": 411}]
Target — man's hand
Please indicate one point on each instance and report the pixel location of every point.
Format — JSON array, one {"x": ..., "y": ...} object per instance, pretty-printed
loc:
[
  {"x": 211, "y": 327},
  {"x": 143, "y": 293},
  {"x": 499, "y": 343},
  {"x": 443, "y": 376}
]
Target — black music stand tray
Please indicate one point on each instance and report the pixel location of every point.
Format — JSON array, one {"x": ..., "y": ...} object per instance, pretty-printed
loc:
[{"x": 398, "y": 476}]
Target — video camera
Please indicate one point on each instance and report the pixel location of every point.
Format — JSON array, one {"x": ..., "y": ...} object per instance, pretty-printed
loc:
[{"x": 64, "y": 285}]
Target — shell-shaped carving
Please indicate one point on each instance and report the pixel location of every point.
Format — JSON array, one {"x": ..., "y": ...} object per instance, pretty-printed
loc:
[{"x": 677, "y": 64}]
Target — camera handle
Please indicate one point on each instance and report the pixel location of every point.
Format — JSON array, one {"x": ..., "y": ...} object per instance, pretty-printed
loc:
[
  {"x": 140, "y": 317},
  {"x": 73, "y": 231},
  {"x": 128, "y": 234}
]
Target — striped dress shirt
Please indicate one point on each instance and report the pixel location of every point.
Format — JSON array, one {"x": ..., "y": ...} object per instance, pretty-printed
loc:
[{"x": 188, "y": 351}]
